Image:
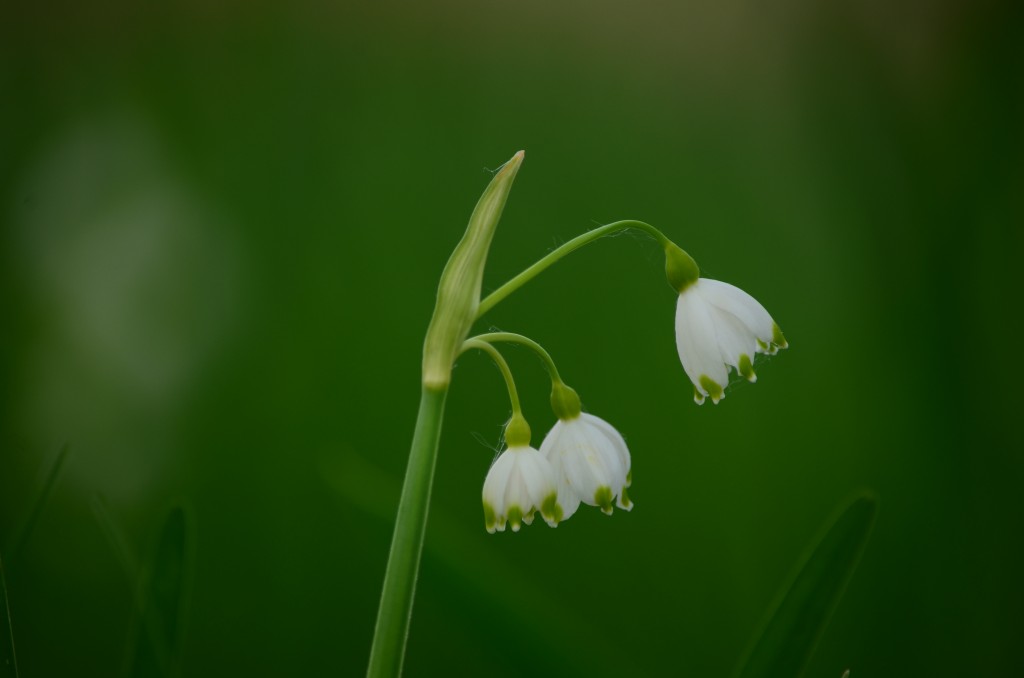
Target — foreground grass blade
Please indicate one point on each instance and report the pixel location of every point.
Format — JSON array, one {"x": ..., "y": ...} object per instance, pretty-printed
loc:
[
  {"x": 8, "y": 661},
  {"x": 155, "y": 644},
  {"x": 115, "y": 537},
  {"x": 787, "y": 641},
  {"x": 25, "y": 531}
]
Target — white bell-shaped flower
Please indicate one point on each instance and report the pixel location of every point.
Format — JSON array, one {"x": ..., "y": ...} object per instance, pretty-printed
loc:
[
  {"x": 519, "y": 483},
  {"x": 591, "y": 463},
  {"x": 719, "y": 326}
]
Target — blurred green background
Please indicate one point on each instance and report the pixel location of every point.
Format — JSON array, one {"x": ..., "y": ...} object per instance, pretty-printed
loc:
[{"x": 222, "y": 228}]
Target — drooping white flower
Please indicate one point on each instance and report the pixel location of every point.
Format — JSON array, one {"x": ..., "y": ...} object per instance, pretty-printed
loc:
[
  {"x": 519, "y": 483},
  {"x": 591, "y": 463},
  {"x": 719, "y": 326}
]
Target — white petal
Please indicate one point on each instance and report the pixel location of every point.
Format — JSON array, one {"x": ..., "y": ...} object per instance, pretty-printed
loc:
[
  {"x": 497, "y": 480},
  {"x": 734, "y": 338},
  {"x": 595, "y": 464},
  {"x": 619, "y": 444},
  {"x": 551, "y": 440},
  {"x": 616, "y": 439},
  {"x": 538, "y": 476},
  {"x": 588, "y": 456},
  {"x": 568, "y": 500},
  {"x": 515, "y": 491},
  {"x": 520, "y": 480},
  {"x": 697, "y": 341},
  {"x": 495, "y": 485},
  {"x": 561, "y": 449},
  {"x": 746, "y": 308}
]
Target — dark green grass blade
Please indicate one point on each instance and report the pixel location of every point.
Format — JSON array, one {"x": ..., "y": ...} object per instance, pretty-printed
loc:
[
  {"x": 8, "y": 660},
  {"x": 155, "y": 644},
  {"x": 115, "y": 537},
  {"x": 23, "y": 533},
  {"x": 787, "y": 641}
]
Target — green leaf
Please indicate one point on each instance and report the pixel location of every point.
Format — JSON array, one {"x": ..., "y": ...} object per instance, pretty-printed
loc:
[
  {"x": 8, "y": 660},
  {"x": 155, "y": 644},
  {"x": 787, "y": 641}
]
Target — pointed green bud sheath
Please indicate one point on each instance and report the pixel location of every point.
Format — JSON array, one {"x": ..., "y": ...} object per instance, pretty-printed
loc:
[
  {"x": 564, "y": 402},
  {"x": 680, "y": 268},
  {"x": 458, "y": 294}
]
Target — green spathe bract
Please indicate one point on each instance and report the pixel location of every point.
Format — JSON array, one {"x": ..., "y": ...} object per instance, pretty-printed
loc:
[{"x": 458, "y": 294}]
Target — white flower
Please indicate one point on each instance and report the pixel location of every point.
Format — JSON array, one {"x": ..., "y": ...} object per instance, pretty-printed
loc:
[
  {"x": 718, "y": 326},
  {"x": 591, "y": 463},
  {"x": 520, "y": 482}
]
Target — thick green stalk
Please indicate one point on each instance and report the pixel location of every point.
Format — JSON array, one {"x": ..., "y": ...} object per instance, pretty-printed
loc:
[
  {"x": 395, "y": 610},
  {"x": 552, "y": 257}
]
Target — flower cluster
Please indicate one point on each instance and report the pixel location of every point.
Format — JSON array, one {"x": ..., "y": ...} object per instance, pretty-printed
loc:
[
  {"x": 582, "y": 460},
  {"x": 719, "y": 326},
  {"x": 520, "y": 483}
]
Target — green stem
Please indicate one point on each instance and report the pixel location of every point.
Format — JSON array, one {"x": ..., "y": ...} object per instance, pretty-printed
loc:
[
  {"x": 565, "y": 402},
  {"x": 395, "y": 610},
  {"x": 552, "y": 257},
  {"x": 512, "y": 338},
  {"x": 513, "y": 394}
]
